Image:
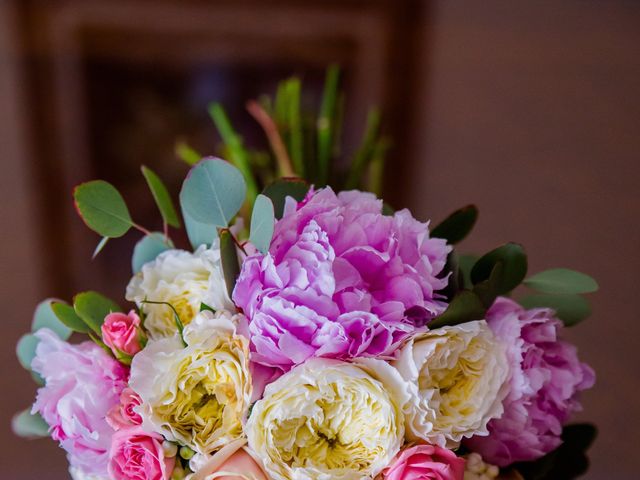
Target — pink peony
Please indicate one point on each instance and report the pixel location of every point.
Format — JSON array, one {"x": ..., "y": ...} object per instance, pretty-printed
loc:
[
  {"x": 546, "y": 377},
  {"x": 341, "y": 280},
  {"x": 123, "y": 414},
  {"x": 82, "y": 384},
  {"x": 427, "y": 462},
  {"x": 121, "y": 333},
  {"x": 136, "y": 454}
]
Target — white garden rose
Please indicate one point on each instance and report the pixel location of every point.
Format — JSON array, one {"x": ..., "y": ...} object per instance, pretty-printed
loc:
[
  {"x": 329, "y": 420},
  {"x": 185, "y": 280},
  {"x": 78, "y": 474},
  {"x": 197, "y": 395},
  {"x": 457, "y": 376}
]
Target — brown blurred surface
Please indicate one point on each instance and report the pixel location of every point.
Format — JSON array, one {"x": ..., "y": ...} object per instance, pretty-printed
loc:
[{"x": 529, "y": 109}]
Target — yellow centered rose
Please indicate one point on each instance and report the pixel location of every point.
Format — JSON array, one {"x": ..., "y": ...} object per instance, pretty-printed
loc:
[
  {"x": 456, "y": 375},
  {"x": 197, "y": 395},
  {"x": 185, "y": 280},
  {"x": 327, "y": 419}
]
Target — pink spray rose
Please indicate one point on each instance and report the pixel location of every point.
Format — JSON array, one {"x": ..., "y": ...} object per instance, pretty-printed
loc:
[
  {"x": 231, "y": 462},
  {"x": 121, "y": 332},
  {"x": 340, "y": 280},
  {"x": 123, "y": 415},
  {"x": 546, "y": 378},
  {"x": 425, "y": 462},
  {"x": 82, "y": 384},
  {"x": 136, "y": 454}
]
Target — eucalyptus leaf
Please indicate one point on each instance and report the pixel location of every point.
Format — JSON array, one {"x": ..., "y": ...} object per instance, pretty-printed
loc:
[
  {"x": 465, "y": 307},
  {"x": 514, "y": 267},
  {"x": 571, "y": 309},
  {"x": 199, "y": 233},
  {"x": 262, "y": 223},
  {"x": 68, "y": 316},
  {"x": 102, "y": 208},
  {"x": 161, "y": 196},
  {"x": 213, "y": 192},
  {"x": 93, "y": 307},
  {"x": 28, "y": 425},
  {"x": 101, "y": 244},
  {"x": 26, "y": 349},
  {"x": 229, "y": 260},
  {"x": 457, "y": 226},
  {"x": 561, "y": 280},
  {"x": 187, "y": 154},
  {"x": 45, "y": 317},
  {"x": 148, "y": 248},
  {"x": 279, "y": 190}
]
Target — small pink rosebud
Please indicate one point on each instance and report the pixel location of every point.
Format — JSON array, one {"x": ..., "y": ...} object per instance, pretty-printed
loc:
[
  {"x": 123, "y": 414},
  {"x": 121, "y": 332}
]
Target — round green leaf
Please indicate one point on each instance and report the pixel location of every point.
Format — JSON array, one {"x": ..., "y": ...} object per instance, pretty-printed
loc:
[
  {"x": 68, "y": 316},
  {"x": 279, "y": 190},
  {"x": 571, "y": 309},
  {"x": 148, "y": 248},
  {"x": 45, "y": 317},
  {"x": 213, "y": 192},
  {"x": 28, "y": 425},
  {"x": 199, "y": 233},
  {"x": 514, "y": 268},
  {"x": 262, "y": 223},
  {"x": 162, "y": 197},
  {"x": 457, "y": 226},
  {"x": 102, "y": 208},
  {"x": 26, "y": 349},
  {"x": 92, "y": 307},
  {"x": 561, "y": 280}
]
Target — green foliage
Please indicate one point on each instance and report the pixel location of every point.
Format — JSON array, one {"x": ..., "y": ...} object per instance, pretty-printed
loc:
[
  {"x": 92, "y": 307},
  {"x": 366, "y": 152},
  {"x": 229, "y": 260},
  {"x": 28, "y": 425},
  {"x": 458, "y": 225},
  {"x": 45, "y": 317},
  {"x": 213, "y": 192},
  {"x": 465, "y": 307},
  {"x": 26, "y": 350},
  {"x": 102, "y": 208},
  {"x": 68, "y": 316},
  {"x": 262, "y": 223},
  {"x": 561, "y": 280},
  {"x": 162, "y": 197},
  {"x": 148, "y": 248},
  {"x": 571, "y": 309},
  {"x": 279, "y": 190},
  {"x": 465, "y": 264},
  {"x": 498, "y": 272},
  {"x": 101, "y": 244},
  {"x": 199, "y": 233},
  {"x": 327, "y": 123},
  {"x": 187, "y": 154}
]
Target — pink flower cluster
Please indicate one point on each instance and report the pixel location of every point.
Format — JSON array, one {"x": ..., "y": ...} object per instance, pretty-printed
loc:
[{"x": 341, "y": 280}]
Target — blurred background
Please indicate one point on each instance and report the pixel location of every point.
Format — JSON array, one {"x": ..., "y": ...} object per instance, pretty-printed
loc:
[{"x": 529, "y": 109}]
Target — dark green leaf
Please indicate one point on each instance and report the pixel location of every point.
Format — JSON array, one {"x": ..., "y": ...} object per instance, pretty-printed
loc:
[
  {"x": 148, "y": 248},
  {"x": 295, "y": 144},
  {"x": 102, "y": 208},
  {"x": 571, "y": 309},
  {"x": 213, "y": 192},
  {"x": 204, "y": 307},
  {"x": 92, "y": 307},
  {"x": 28, "y": 425},
  {"x": 387, "y": 209},
  {"x": 465, "y": 307},
  {"x": 487, "y": 290},
  {"x": 326, "y": 123},
  {"x": 162, "y": 197},
  {"x": 561, "y": 280},
  {"x": 229, "y": 260},
  {"x": 262, "y": 223},
  {"x": 514, "y": 268},
  {"x": 457, "y": 225},
  {"x": 465, "y": 264},
  {"x": 365, "y": 153},
  {"x": 26, "y": 349},
  {"x": 45, "y": 317},
  {"x": 68, "y": 316},
  {"x": 187, "y": 154},
  {"x": 238, "y": 154},
  {"x": 279, "y": 190}
]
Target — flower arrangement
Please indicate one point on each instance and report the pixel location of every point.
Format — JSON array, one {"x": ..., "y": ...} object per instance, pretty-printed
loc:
[{"x": 334, "y": 338}]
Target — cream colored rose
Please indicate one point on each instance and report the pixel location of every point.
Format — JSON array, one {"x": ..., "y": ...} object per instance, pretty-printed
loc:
[
  {"x": 457, "y": 377},
  {"x": 196, "y": 395},
  {"x": 78, "y": 474},
  {"x": 329, "y": 420},
  {"x": 185, "y": 280}
]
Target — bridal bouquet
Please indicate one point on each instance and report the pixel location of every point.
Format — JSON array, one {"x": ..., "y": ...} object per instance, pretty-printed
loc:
[{"x": 307, "y": 333}]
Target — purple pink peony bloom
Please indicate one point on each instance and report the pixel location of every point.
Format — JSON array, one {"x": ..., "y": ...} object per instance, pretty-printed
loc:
[
  {"x": 546, "y": 377},
  {"x": 425, "y": 462},
  {"x": 82, "y": 384},
  {"x": 340, "y": 280}
]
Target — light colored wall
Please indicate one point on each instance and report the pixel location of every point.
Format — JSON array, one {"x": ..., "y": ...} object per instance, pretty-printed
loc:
[{"x": 531, "y": 110}]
